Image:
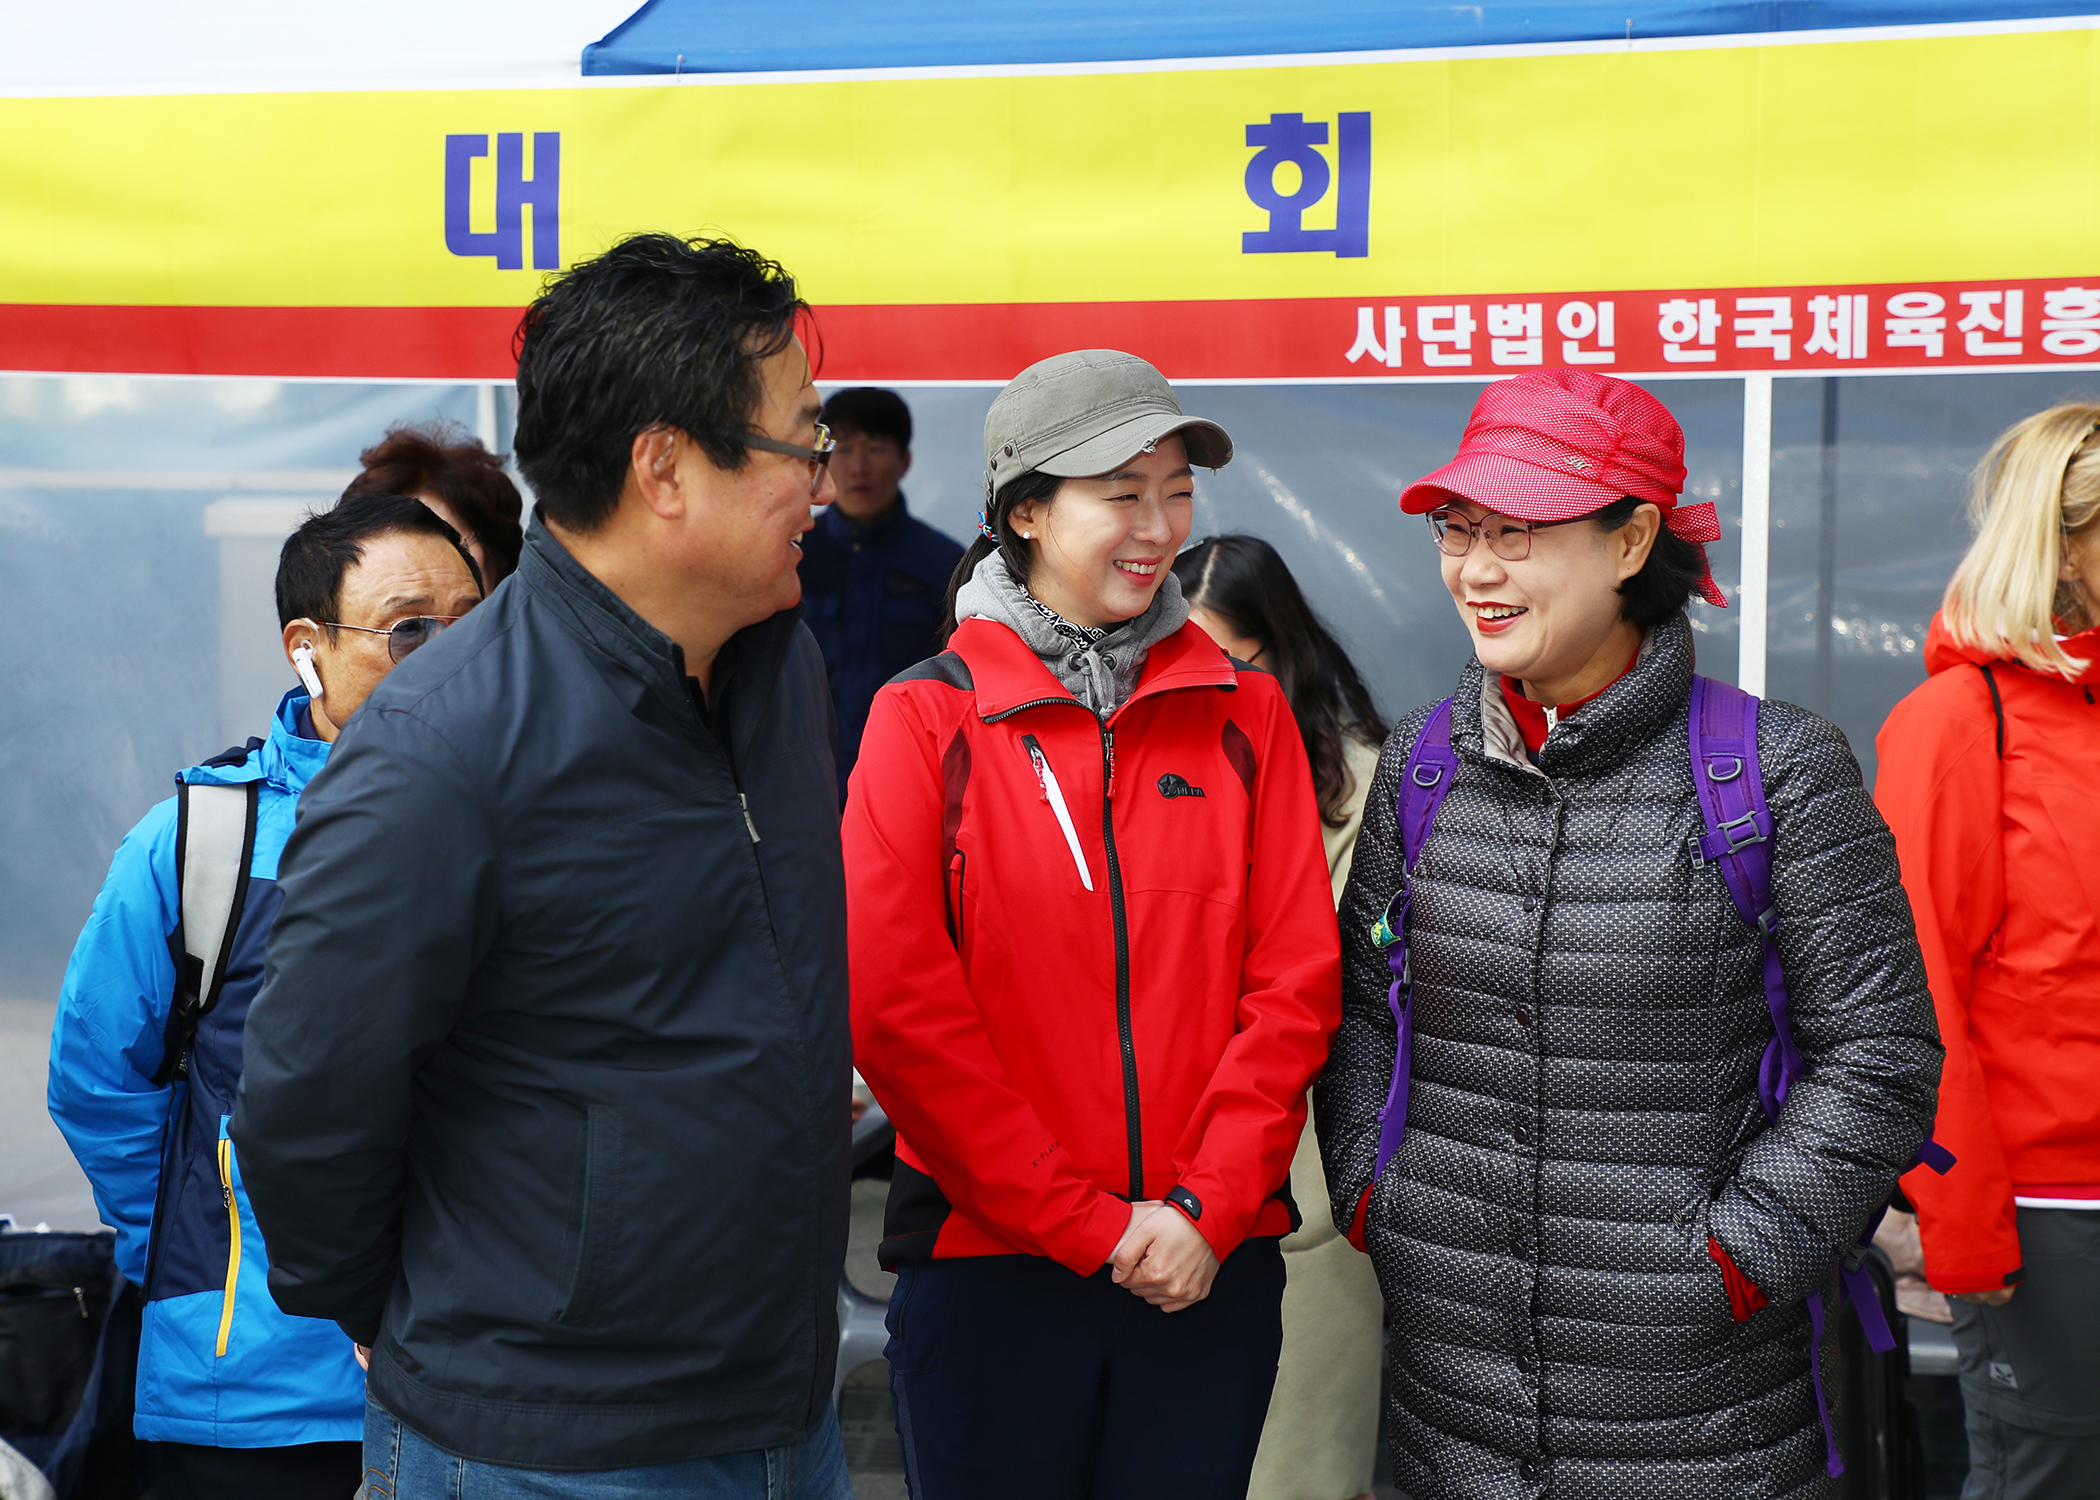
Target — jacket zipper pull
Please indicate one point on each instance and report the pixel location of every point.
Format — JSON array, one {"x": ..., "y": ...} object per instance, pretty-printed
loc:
[
  {"x": 751, "y": 827},
  {"x": 1054, "y": 795},
  {"x": 80, "y": 1296},
  {"x": 1108, "y": 752}
]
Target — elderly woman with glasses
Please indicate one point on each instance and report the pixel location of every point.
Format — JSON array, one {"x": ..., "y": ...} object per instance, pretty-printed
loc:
[{"x": 1606, "y": 1173}]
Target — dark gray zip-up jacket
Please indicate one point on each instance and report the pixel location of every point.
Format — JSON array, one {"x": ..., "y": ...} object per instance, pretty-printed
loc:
[
  {"x": 1589, "y": 1015},
  {"x": 545, "y": 1093}
]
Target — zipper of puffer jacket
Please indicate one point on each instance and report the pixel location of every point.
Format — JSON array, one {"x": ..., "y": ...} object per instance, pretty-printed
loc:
[
  {"x": 1133, "y": 1125},
  {"x": 233, "y": 1254}
]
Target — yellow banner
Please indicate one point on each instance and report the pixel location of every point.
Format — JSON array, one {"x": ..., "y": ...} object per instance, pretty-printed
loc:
[{"x": 1946, "y": 158}]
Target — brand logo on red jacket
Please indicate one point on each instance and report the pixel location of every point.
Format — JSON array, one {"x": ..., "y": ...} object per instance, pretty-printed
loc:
[{"x": 1171, "y": 785}]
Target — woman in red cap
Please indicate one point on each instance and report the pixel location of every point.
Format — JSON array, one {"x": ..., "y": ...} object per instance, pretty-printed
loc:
[
  {"x": 1987, "y": 779},
  {"x": 1602, "y": 1194}
]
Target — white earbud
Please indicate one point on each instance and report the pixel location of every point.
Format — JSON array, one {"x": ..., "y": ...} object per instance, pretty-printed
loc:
[{"x": 303, "y": 662}]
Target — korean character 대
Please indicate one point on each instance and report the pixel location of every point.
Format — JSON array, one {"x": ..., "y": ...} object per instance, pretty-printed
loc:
[
  {"x": 1914, "y": 322},
  {"x": 1578, "y": 321},
  {"x": 1841, "y": 326},
  {"x": 1367, "y": 341},
  {"x": 1681, "y": 321},
  {"x": 1445, "y": 334},
  {"x": 2071, "y": 320},
  {"x": 1514, "y": 333},
  {"x": 1986, "y": 313},
  {"x": 1765, "y": 323}
]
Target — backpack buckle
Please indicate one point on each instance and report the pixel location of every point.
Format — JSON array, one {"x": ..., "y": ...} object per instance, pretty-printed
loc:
[{"x": 1733, "y": 836}]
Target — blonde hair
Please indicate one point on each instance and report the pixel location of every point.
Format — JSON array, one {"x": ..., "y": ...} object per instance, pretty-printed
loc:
[{"x": 2038, "y": 487}]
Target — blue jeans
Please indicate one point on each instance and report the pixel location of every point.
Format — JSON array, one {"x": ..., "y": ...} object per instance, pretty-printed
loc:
[{"x": 400, "y": 1464}]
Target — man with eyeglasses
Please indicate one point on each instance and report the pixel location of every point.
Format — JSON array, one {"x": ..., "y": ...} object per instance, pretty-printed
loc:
[
  {"x": 239, "y": 1399},
  {"x": 546, "y": 1096}
]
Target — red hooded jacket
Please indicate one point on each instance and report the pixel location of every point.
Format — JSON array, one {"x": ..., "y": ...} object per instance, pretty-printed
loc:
[
  {"x": 2001, "y": 859},
  {"x": 1049, "y": 1051}
]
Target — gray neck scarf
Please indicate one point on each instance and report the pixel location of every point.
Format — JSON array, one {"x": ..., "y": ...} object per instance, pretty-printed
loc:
[{"x": 1098, "y": 667}]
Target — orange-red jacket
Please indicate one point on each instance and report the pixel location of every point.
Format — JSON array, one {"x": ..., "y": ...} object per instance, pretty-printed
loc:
[
  {"x": 2001, "y": 858},
  {"x": 1049, "y": 1051}
]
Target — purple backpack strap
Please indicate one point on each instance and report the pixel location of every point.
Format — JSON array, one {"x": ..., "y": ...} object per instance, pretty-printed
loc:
[
  {"x": 1432, "y": 765},
  {"x": 1738, "y": 838}
]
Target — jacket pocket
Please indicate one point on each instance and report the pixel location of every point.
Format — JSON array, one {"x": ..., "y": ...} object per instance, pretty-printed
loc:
[
  {"x": 592, "y": 1226},
  {"x": 957, "y": 864},
  {"x": 233, "y": 1222}
]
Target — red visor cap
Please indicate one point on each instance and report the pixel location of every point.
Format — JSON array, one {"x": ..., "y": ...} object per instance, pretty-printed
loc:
[{"x": 1555, "y": 444}]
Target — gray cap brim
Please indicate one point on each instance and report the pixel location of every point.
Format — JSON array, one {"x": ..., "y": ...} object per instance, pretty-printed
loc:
[{"x": 1208, "y": 445}]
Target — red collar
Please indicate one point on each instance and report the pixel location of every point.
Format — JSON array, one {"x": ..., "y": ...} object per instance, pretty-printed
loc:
[
  {"x": 1009, "y": 674},
  {"x": 1531, "y": 717}
]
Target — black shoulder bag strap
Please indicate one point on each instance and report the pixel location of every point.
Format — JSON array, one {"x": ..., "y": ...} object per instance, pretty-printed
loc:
[
  {"x": 1997, "y": 704},
  {"x": 214, "y": 845}
]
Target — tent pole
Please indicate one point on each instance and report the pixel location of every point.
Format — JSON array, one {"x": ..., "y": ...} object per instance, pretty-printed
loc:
[{"x": 1757, "y": 529}]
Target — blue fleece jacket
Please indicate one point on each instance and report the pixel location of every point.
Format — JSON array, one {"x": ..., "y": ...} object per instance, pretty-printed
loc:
[{"x": 219, "y": 1365}]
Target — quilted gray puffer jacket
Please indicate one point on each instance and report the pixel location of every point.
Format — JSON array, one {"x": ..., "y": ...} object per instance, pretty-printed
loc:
[{"x": 1589, "y": 1015}]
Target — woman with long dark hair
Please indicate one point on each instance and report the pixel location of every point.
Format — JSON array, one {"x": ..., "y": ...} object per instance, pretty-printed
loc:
[
  {"x": 1322, "y": 1429},
  {"x": 1239, "y": 590},
  {"x": 1094, "y": 972}
]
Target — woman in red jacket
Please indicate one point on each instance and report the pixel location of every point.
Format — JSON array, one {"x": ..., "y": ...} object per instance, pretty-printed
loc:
[
  {"x": 1095, "y": 968},
  {"x": 1988, "y": 777}
]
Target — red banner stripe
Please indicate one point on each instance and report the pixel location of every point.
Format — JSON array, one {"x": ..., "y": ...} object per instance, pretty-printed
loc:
[
  {"x": 1783, "y": 330},
  {"x": 344, "y": 343}
]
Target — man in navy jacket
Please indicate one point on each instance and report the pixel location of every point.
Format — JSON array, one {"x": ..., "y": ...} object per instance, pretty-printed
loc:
[
  {"x": 546, "y": 1097},
  {"x": 874, "y": 577}
]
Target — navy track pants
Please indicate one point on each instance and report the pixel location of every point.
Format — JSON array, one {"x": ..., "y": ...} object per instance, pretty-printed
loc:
[{"x": 1013, "y": 1377}]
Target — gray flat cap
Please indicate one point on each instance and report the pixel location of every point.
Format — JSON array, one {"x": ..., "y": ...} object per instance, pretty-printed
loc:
[{"x": 1083, "y": 413}]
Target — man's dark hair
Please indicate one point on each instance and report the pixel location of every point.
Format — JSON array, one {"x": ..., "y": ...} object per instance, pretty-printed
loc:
[
  {"x": 438, "y": 459},
  {"x": 657, "y": 331},
  {"x": 872, "y": 411},
  {"x": 310, "y": 569},
  {"x": 1667, "y": 580}
]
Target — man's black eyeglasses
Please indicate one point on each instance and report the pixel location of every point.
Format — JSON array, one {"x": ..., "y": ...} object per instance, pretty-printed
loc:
[{"x": 818, "y": 458}]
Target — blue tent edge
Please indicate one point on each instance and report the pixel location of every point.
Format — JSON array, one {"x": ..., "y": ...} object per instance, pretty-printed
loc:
[{"x": 724, "y": 36}]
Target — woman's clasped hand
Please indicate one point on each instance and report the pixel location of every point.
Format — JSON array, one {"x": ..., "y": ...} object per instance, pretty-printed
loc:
[{"x": 1163, "y": 1258}]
